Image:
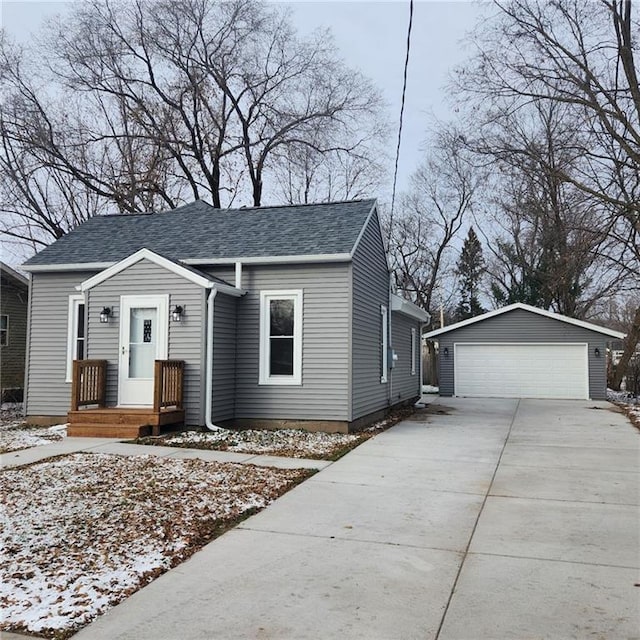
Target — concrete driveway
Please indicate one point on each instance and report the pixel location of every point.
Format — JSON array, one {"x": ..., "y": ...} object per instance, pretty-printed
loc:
[{"x": 480, "y": 519}]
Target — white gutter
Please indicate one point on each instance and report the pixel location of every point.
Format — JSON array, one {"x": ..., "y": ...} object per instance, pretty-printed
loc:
[
  {"x": 238, "y": 274},
  {"x": 209, "y": 364}
]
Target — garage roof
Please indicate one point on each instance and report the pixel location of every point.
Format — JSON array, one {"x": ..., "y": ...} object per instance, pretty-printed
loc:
[{"x": 541, "y": 312}]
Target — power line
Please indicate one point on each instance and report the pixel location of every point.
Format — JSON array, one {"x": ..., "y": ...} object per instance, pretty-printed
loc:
[{"x": 404, "y": 92}]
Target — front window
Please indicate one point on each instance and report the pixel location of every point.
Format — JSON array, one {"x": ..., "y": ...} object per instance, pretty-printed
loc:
[
  {"x": 76, "y": 333},
  {"x": 281, "y": 337},
  {"x": 4, "y": 330},
  {"x": 414, "y": 349},
  {"x": 384, "y": 344}
]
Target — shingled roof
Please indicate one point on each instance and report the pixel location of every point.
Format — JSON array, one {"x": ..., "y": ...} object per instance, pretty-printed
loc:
[{"x": 197, "y": 232}]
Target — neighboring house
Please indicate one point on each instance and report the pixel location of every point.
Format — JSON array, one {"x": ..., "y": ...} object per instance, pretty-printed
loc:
[
  {"x": 14, "y": 295},
  {"x": 520, "y": 351},
  {"x": 281, "y": 316}
]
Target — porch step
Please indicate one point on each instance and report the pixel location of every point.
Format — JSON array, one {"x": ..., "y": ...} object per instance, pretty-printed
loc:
[
  {"x": 120, "y": 422},
  {"x": 80, "y": 430}
]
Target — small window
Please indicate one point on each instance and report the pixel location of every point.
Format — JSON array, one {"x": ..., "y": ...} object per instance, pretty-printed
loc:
[
  {"x": 414, "y": 349},
  {"x": 281, "y": 337},
  {"x": 76, "y": 333},
  {"x": 384, "y": 343},
  {"x": 4, "y": 330}
]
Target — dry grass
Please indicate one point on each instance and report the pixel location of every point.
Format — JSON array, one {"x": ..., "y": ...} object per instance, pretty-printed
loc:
[{"x": 82, "y": 532}]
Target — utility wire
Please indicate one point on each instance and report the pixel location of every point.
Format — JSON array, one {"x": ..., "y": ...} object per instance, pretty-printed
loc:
[{"x": 404, "y": 92}]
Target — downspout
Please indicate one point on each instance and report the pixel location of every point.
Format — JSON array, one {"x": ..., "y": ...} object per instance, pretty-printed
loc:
[{"x": 209, "y": 364}]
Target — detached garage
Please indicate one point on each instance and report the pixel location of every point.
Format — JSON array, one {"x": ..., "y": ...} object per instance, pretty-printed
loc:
[{"x": 520, "y": 351}]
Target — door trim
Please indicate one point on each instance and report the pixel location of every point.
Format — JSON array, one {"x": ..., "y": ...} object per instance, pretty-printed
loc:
[{"x": 161, "y": 302}]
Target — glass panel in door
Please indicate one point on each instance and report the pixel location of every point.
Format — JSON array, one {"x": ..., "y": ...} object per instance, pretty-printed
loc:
[{"x": 143, "y": 331}]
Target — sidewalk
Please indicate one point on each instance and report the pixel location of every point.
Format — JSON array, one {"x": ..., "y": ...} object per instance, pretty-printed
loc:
[{"x": 117, "y": 447}]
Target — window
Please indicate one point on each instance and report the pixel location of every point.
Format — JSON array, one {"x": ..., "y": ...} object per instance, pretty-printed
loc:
[
  {"x": 384, "y": 344},
  {"x": 413, "y": 351},
  {"x": 4, "y": 330},
  {"x": 76, "y": 333},
  {"x": 281, "y": 337}
]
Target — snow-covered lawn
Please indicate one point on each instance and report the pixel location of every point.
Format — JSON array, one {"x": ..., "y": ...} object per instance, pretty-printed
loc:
[
  {"x": 16, "y": 435},
  {"x": 629, "y": 404},
  {"x": 293, "y": 443},
  {"x": 81, "y": 533}
]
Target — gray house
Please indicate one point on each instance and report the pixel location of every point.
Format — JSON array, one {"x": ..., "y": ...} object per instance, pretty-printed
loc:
[
  {"x": 253, "y": 317},
  {"x": 14, "y": 294},
  {"x": 520, "y": 351}
]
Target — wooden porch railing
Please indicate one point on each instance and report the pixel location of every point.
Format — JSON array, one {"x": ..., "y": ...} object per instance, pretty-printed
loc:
[
  {"x": 168, "y": 384},
  {"x": 88, "y": 383}
]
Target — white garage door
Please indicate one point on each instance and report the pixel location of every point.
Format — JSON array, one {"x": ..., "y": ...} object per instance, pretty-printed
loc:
[{"x": 521, "y": 370}]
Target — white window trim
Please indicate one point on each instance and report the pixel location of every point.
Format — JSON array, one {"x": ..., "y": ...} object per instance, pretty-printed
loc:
[
  {"x": 413, "y": 350},
  {"x": 265, "y": 344},
  {"x": 6, "y": 329},
  {"x": 384, "y": 315},
  {"x": 72, "y": 332}
]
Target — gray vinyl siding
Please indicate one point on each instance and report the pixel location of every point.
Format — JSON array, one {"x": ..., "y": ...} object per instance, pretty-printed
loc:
[
  {"x": 523, "y": 326},
  {"x": 224, "y": 358},
  {"x": 14, "y": 299},
  {"x": 370, "y": 291},
  {"x": 47, "y": 392},
  {"x": 185, "y": 337},
  {"x": 403, "y": 384},
  {"x": 324, "y": 393}
]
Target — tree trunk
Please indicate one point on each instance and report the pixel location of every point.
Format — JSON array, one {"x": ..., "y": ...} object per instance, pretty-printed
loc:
[
  {"x": 630, "y": 343},
  {"x": 430, "y": 372}
]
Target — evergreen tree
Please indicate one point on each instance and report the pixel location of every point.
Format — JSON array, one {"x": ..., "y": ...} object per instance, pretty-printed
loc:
[{"x": 470, "y": 268}]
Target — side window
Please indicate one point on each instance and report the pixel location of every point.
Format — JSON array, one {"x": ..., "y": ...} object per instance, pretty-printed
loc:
[
  {"x": 384, "y": 343},
  {"x": 414, "y": 349},
  {"x": 4, "y": 330},
  {"x": 281, "y": 337},
  {"x": 76, "y": 333}
]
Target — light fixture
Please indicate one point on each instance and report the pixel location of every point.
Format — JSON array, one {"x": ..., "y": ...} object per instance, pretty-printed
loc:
[
  {"x": 446, "y": 352},
  {"x": 597, "y": 352},
  {"x": 105, "y": 314},
  {"x": 176, "y": 314}
]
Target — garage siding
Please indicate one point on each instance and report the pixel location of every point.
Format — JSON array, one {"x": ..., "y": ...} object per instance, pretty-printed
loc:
[{"x": 525, "y": 327}]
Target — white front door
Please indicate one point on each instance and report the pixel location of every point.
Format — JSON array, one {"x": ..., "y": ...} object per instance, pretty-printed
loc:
[{"x": 143, "y": 339}]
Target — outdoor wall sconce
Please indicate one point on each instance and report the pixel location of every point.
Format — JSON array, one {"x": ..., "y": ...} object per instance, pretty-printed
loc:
[
  {"x": 176, "y": 314},
  {"x": 105, "y": 314},
  {"x": 597, "y": 352},
  {"x": 446, "y": 352}
]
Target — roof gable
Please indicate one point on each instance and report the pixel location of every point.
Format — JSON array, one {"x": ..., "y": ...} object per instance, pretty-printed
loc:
[
  {"x": 200, "y": 234},
  {"x": 188, "y": 273},
  {"x": 525, "y": 307},
  {"x": 11, "y": 274}
]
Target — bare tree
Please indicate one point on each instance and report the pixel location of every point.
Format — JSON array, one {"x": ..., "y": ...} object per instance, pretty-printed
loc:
[
  {"x": 432, "y": 214},
  {"x": 579, "y": 56},
  {"x": 549, "y": 236},
  {"x": 144, "y": 105}
]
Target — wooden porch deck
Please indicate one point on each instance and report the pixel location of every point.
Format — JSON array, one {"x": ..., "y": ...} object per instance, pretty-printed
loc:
[
  {"x": 121, "y": 422},
  {"x": 90, "y": 417}
]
